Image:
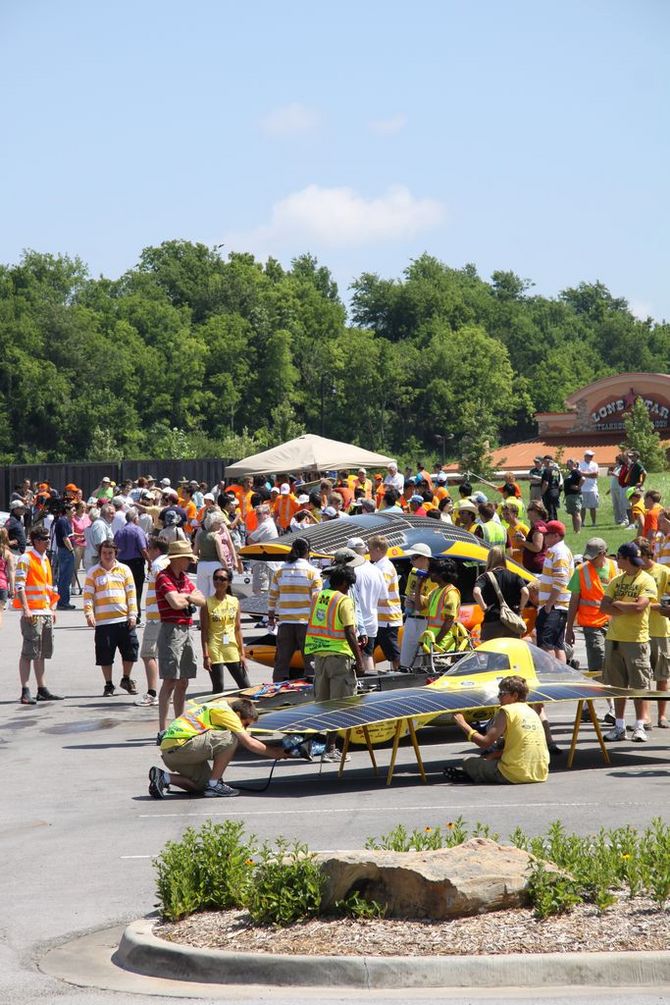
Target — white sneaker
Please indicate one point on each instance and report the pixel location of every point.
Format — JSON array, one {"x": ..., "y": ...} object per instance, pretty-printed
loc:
[
  {"x": 147, "y": 700},
  {"x": 333, "y": 756},
  {"x": 618, "y": 733},
  {"x": 639, "y": 735}
]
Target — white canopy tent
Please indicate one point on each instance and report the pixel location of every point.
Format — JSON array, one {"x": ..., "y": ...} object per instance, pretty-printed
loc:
[{"x": 308, "y": 452}]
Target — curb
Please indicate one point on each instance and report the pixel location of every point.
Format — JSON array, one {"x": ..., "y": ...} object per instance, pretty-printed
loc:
[{"x": 142, "y": 952}]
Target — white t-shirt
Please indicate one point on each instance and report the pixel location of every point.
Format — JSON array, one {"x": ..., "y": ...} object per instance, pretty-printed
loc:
[
  {"x": 371, "y": 588},
  {"x": 396, "y": 481},
  {"x": 590, "y": 469}
]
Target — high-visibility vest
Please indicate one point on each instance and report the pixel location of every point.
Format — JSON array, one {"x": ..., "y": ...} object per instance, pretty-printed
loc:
[
  {"x": 325, "y": 631},
  {"x": 38, "y": 584},
  {"x": 591, "y": 592},
  {"x": 436, "y": 604},
  {"x": 494, "y": 533}
]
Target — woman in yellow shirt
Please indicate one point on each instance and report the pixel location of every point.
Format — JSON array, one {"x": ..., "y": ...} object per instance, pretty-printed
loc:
[{"x": 221, "y": 634}]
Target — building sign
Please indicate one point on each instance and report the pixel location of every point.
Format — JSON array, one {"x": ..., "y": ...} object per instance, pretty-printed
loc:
[{"x": 609, "y": 414}]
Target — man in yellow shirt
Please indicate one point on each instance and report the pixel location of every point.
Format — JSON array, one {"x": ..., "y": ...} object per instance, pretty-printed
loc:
[
  {"x": 659, "y": 625},
  {"x": 627, "y": 600},
  {"x": 204, "y": 734},
  {"x": 416, "y": 603},
  {"x": 524, "y": 757}
]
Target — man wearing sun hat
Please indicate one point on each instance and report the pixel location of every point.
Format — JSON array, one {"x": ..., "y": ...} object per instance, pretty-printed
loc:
[
  {"x": 177, "y": 600},
  {"x": 418, "y": 588},
  {"x": 590, "y": 496},
  {"x": 628, "y": 598}
]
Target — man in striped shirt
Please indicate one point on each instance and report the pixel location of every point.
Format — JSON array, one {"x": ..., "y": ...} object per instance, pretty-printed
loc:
[
  {"x": 110, "y": 606},
  {"x": 389, "y": 610},
  {"x": 293, "y": 590}
]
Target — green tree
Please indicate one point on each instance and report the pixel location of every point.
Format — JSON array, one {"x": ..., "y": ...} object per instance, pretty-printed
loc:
[{"x": 641, "y": 436}]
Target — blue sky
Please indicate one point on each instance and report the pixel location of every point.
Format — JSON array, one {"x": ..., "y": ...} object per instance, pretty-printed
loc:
[{"x": 522, "y": 135}]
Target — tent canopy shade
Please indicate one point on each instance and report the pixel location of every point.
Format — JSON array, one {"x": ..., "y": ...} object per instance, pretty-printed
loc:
[{"x": 308, "y": 452}]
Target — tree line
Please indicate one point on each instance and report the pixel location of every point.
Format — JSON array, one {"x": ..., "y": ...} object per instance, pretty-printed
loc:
[{"x": 189, "y": 354}]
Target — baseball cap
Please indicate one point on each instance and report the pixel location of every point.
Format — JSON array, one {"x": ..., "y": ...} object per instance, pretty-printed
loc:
[
  {"x": 416, "y": 499},
  {"x": 633, "y": 491},
  {"x": 588, "y": 453},
  {"x": 630, "y": 551},
  {"x": 595, "y": 546},
  {"x": 172, "y": 493},
  {"x": 357, "y": 545},
  {"x": 329, "y": 511},
  {"x": 106, "y": 478},
  {"x": 441, "y": 476},
  {"x": 303, "y": 500},
  {"x": 555, "y": 527},
  {"x": 419, "y": 549},
  {"x": 17, "y": 504},
  {"x": 165, "y": 481},
  {"x": 209, "y": 496},
  {"x": 285, "y": 489},
  {"x": 71, "y": 487},
  {"x": 479, "y": 497}
]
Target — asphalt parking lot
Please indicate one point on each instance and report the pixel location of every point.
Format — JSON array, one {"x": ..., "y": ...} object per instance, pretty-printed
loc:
[{"x": 79, "y": 830}]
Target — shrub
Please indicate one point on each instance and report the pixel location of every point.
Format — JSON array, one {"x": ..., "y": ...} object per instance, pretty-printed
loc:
[{"x": 287, "y": 884}]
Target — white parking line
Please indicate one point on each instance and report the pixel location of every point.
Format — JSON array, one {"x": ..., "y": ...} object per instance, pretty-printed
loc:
[{"x": 431, "y": 807}]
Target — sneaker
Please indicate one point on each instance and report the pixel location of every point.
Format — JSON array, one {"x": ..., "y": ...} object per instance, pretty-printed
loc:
[
  {"x": 157, "y": 784},
  {"x": 109, "y": 690},
  {"x": 618, "y": 734},
  {"x": 220, "y": 789},
  {"x": 65, "y": 607},
  {"x": 333, "y": 756},
  {"x": 44, "y": 694},
  {"x": 26, "y": 697},
  {"x": 159, "y": 736},
  {"x": 663, "y": 723},
  {"x": 648, "y": 726},
  {"x": 147, "y": 700},
  {"x": 128, "y": 684},
  {"x": 456, "y": 775},
  {"x": 609, "y": 719},
  {"x": 639, "y": 735}
]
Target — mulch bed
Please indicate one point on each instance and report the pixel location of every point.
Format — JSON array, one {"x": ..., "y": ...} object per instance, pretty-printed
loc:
[{"x": 636, "y": 924}]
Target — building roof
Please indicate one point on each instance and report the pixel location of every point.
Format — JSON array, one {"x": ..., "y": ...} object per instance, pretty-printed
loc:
[{"x": 520, "y": 456}]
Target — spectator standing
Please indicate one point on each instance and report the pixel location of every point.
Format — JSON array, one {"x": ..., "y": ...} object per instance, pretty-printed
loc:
[
  {"x": 7, "y": 564},
  {"x": 659, "y": 625},
  {"x": 214, "y": 548},
  {"x": 418, "y": 588},
  {"x": 535, "y": 479},
  {"x": 221, "y": 633},
  {"x": 157, "y": 553},
  {"x": 389, "y": 611},
  {"x": 36, "y": 598},
  {"x": 15, "y": 527},
  {"x": 100, "y": 530},
  {"x": 627, "y": 600},
  {"x": 394, "y": 479},
  {"x": 617, "y": 490},
  {"x": 110, "y": 606},
  {"x": 266, "y": 530},
  {"x": 177, "y": 600},
  {"x": 293, "y": 590},
  {"x": 533, "y": 543},
  {"x": 80, "y": 521},
  {"x": 572, "y": 494},
  {"x": 590, "y": 495},
  {"x": 552, "y": 482},
  {"x": 637, "y": 473},
  {"x": 513, "y": 589},
  {"x": 553, "y": 593},
  {"x": 132, "y": 544},
  {"x": 370, "y": 590},
  {"x": 63, "y": 534}
]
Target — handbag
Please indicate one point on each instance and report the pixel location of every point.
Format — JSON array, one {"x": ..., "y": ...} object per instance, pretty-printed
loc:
[{"x": 508, "y": 618}]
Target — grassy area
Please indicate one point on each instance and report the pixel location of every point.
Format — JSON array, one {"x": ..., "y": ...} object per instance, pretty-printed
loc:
[{"x": 605, "y": 526}]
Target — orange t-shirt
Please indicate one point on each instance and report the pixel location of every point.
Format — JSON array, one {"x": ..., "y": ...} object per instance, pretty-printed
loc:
[{"x": 650, "y": 525}]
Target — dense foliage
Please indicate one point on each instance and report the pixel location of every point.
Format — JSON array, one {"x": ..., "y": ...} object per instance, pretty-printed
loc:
[{"x": 192, "y": 355}]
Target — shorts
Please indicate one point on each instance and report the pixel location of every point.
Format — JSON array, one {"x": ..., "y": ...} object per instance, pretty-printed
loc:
[
  {"x": 573, "y": 503},
  {"x": 594, "y": 639},
  {"x": 369, "y": 648},
  {"x": 3, "y": 598},
  {"x": 550, "y": 628},
  {"x": 38, "y": 639},
  {"x": 627, "y": 664},
  {"x": 480, "y": 770},
  {"x": 192, "y": 759},
  {"x": 149, "y": 647},
  {"x": 109, "y": 638},
  {"x": 387, "y": 638},
  {"x": 660, "y": 657},
  {"x": 176, "y": 655},
  {"x": 334, "y": 676},
  {"x": 591, "y": 500}
]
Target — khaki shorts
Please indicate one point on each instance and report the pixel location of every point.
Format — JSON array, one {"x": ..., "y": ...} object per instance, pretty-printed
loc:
[
  {"x": 149, "y": 648},
  {"x": 627, "y": 664},
  {"x": 482, "y": 771},
  {"x": 192, "y": 759},
  {"x": 176, "y": 655},
  {"x": 660, "y": 658},
  {"x": 38, "y": 639},
  {"x": 334, "y": 676}
]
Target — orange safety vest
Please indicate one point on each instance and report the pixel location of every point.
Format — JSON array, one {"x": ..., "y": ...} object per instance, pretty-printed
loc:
[
  {"x": 591, "y": 592},
  {"x": 325, "y": 631},
  {"x": 39, "y": 590}
]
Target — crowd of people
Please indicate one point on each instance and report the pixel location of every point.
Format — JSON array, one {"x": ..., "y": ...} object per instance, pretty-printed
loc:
[{"x": 128, "y": 550}]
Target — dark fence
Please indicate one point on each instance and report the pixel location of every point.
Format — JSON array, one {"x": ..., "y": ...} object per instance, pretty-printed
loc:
[{"x": 88, "y": 475}]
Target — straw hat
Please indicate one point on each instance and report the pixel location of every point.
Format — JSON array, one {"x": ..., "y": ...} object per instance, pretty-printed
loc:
[{"x": 181, "y": 549}]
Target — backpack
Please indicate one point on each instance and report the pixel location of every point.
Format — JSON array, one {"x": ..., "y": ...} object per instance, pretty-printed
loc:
[{"x": 508, "y": 618}]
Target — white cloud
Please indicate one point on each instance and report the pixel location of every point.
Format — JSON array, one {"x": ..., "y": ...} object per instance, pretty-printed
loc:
[
  {"x": 390, "y": 126},
  {"x": 641, "y": 310},
  {"x": 290, "y": 120},
  {"x": 341, "y": 217}
]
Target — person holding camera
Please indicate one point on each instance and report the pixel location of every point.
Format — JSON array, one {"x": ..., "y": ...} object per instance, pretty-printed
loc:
[{"x": 177, "y": 600}]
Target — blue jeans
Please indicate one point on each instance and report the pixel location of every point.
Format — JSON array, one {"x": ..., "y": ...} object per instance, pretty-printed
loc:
[{"x": 65, "y": 571}]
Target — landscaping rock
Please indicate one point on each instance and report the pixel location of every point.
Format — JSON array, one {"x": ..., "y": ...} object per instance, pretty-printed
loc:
[{"x": 471, "y": 878}]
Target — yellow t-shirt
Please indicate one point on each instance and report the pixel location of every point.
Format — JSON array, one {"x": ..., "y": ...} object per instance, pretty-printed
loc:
[
  {"x": 638, "y": 513},
  {"x": 427, "y": 587},
  {"x": 221, "y": 641},
  {"x": 525, "y": 757},
  {"x": 630, "y": 627},
  {"x": 347, "y": 613},
  {"x": 659, "y": 627}
]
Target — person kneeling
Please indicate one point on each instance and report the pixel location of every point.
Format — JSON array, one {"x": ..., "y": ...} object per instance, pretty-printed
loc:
[
  {"x": 524, "y": 757},
  {"x": 207, "y": 733}
]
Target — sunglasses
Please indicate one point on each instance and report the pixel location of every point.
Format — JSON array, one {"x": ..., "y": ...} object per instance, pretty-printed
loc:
[{"x": 221, "y": 579}]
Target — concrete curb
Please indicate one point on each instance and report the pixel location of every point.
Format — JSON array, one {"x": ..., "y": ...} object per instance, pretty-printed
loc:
[{"x": 142, "y": 952}]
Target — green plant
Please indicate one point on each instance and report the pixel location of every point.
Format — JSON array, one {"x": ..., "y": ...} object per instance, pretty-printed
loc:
[
  {"x": 356, "y": 906},
  {"x": 287, "y": 884},
  {"x": 207, "y": 869},
  {"x": 551, "y": 893}
]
